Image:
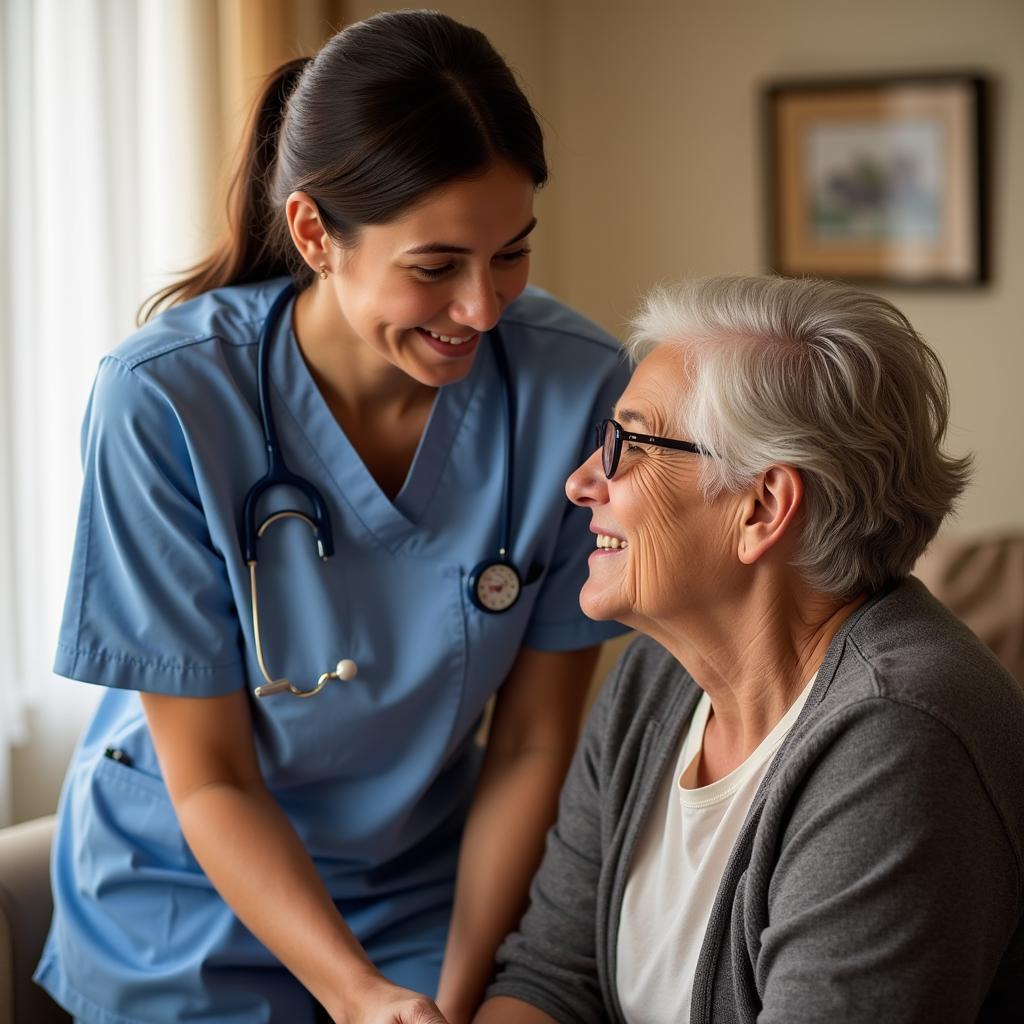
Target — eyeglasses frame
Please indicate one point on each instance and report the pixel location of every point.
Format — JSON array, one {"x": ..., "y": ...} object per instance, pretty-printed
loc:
[{"x": 621, "y": 434}]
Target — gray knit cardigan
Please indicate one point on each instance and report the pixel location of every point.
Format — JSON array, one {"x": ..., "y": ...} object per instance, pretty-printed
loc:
[{"x": 879, "y": 876}]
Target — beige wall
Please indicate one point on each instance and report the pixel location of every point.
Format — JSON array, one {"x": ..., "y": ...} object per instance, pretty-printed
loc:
[{"x": 653, "y": 121}]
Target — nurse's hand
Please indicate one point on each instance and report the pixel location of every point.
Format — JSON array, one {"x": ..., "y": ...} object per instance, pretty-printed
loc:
[{"x": 379, "y": 1002}]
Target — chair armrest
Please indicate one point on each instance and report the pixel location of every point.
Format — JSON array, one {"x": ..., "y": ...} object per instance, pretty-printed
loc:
[{"x": 25, "y": 908}]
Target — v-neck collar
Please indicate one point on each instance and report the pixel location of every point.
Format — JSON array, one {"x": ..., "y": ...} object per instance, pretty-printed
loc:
[{"x": 392, "y": 522}]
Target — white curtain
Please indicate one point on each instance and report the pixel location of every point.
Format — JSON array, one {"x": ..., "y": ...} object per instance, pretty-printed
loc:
[{"x": 108, "y": 175}]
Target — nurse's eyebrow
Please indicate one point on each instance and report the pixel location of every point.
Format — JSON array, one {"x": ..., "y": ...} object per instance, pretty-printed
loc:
[
  {"x": 444, "y": 247},
  {"x": 632, "y": 416}
]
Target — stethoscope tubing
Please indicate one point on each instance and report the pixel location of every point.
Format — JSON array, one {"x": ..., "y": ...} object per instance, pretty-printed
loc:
[{"x": 505, "y": 529}]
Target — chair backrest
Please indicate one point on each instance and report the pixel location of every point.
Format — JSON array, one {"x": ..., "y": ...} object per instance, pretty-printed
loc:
[{"x": 981, "y": 580}]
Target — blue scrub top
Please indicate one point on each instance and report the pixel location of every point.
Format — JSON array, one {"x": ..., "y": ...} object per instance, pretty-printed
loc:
[{"x": 377, "y": 773}]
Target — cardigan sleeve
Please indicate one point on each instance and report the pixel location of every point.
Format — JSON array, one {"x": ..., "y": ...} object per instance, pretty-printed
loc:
[{"x": 550, "y": 961}]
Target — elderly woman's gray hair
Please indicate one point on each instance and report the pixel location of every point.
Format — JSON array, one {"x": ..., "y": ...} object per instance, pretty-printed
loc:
[{"x": 832, "y": 381}]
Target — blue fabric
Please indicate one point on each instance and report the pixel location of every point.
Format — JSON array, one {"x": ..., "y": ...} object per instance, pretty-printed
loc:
[{"x": 376, "y": 774}]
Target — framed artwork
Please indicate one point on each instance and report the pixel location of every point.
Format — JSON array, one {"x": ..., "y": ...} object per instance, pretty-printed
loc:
[{"x": 879, "y": 179}]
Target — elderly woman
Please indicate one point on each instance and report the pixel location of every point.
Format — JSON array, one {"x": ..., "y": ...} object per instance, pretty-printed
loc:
[{"x": 801, "y": 796}]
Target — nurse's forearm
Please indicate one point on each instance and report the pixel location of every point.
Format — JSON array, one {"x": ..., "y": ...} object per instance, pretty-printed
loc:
[
  {"x": 253, "y": 856},
  {"x": 532, "y": 737},
  {"x": 501, "y": 849}
]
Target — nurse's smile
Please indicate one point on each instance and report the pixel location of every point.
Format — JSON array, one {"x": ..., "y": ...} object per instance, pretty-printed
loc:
[{"x": 448, "y": 346}]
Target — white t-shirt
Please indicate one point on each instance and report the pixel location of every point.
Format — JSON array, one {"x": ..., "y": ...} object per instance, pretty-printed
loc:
[{"x": 676, "y": 871}]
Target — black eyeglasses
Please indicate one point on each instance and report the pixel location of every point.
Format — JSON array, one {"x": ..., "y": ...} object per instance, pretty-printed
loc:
[{"x": 611, "y": 434}]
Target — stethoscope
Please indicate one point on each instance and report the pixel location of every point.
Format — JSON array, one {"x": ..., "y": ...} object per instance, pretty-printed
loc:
[{"x": 494, "y": 584}]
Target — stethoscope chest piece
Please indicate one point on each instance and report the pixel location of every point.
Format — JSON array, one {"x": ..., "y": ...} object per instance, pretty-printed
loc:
[{"x": 494, "y": 586}]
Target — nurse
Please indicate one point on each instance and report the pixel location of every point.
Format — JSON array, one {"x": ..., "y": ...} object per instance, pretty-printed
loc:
[{"x": 352, "y": 855}]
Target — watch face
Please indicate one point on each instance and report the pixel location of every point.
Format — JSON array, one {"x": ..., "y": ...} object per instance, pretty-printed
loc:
[{"x": 497, "y": 587}]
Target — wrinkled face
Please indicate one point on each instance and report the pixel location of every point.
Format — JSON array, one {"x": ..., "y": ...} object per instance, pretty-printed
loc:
[
  {"x": 673, "y": 547},
  {"x": 420, "y": 290}
]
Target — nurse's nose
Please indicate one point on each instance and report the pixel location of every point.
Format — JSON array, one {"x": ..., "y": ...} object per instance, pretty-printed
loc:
[
  {"x": 588, "y": 485},
  {"x": 476, "y": 303}
]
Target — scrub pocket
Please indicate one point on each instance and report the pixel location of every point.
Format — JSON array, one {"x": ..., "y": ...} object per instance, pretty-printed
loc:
[{"x": 131, "y": 862}]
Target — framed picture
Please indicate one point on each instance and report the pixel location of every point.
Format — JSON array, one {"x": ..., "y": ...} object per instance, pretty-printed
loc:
[{"x": 879, "y": 179}]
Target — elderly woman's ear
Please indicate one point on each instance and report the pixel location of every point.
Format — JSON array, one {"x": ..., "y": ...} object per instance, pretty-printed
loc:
[{"x": 770, "y": 512}]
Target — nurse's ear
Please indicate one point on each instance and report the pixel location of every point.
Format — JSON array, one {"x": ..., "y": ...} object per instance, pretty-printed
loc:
[{"x": 307, "y": 231}]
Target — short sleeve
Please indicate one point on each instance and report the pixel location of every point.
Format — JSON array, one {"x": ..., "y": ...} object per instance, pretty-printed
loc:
[
  {"x": 149, "y": 605},
  {"x": 557, "y": 622}
]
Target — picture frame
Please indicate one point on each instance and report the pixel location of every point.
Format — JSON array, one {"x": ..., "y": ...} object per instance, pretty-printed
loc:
[{"x": 879, "y": 179}]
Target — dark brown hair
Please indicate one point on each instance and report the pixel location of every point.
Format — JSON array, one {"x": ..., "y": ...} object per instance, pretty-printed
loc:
[{"x": 390, "y": 109}]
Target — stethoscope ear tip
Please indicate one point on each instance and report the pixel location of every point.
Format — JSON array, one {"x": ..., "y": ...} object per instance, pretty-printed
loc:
[{"x": 272, "y": 687}]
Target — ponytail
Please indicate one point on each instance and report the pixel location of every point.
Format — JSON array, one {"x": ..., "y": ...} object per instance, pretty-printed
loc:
[{"x": 253, "y": 248}]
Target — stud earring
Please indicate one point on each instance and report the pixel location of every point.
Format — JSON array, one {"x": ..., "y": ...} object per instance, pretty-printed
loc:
[{"x": 323, "y": 271}]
